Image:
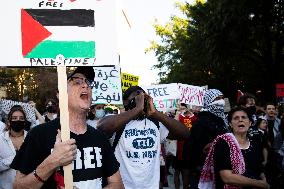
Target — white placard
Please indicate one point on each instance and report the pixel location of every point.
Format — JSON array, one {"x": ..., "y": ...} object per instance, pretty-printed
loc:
[
  {"x": 165, "y": 96},
  {"x": 192, "y": 95},
  {"x": 107, "y": 85},
  {"x": 33, "y": 38}
]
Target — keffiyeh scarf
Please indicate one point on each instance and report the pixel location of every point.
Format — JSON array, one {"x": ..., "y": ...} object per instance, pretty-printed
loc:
[{"x": 207, "y": 178}]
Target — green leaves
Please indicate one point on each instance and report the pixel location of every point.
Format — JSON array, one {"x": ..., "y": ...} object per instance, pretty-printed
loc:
[{"x": 225, "y": 44}]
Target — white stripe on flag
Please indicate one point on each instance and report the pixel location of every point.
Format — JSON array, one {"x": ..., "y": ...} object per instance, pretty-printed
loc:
[{"x": 71, "y": 33}]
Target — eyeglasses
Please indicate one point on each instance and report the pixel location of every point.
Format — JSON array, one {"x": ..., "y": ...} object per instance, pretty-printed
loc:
[{"x": 79, "y": 81}]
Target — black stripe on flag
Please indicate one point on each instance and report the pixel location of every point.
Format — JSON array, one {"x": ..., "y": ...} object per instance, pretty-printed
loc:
[{"x": 56, "y": 17}]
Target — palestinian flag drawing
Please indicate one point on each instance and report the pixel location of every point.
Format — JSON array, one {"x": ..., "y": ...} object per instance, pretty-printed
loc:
[{"x": 47, "y": 33}]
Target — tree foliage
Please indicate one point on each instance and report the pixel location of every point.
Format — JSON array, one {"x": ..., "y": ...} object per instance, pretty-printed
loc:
[
  {"x": 225, "y": 44},
  {"x": 38, "y": 84}
]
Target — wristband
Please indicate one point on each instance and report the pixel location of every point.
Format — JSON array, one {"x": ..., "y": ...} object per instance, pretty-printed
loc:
[{"x": 38, "y": 177}]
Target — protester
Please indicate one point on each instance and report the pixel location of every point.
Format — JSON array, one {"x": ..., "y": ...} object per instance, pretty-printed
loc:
[
  {"x": 275, "y": 139},
  {"x": 10, "y": 142},
  {"x": 96, "y": 112},
  {"x": 247, "y": 101},
  {"x": 139, "y": 132},
  {"x": 186, "y": 117},
  {"x": 210, "y": 123},
  {"x": 234, "y": 161},
  {"x": 51, "y": 108},
  {"x": 39, "y": 161}
]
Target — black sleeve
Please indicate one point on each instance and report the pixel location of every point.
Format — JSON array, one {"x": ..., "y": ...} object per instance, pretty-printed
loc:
[
  {"x": 27, "y": 159},
  {"x": 222, "y": 160},
  {"x": 110, "y": 164}
]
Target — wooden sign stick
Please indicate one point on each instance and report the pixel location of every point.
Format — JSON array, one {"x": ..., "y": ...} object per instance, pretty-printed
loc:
[{"x": 64, "y": 120}]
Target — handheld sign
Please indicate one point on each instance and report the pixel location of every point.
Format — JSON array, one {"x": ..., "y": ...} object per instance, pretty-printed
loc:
[
  {"x": 59, "y": 33},
  {"x": 107, "y": 85},
  {"x": 165, "y": 96},
  {"x": 192, "y": 95},
  {"x": 64, "y": 120},
  {"x": 128, "y": 80}
]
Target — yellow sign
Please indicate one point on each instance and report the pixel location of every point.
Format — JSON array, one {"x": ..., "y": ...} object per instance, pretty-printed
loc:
[{"x": 128, "y": 80}]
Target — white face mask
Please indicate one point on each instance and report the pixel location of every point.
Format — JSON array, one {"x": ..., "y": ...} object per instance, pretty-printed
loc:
[
  {"x": 220, "y": 102},
  {"x": 100, "y": 113}
]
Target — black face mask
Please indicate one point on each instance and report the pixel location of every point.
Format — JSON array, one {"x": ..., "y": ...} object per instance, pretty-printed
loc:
[
  {"x": 17, "y": 126},
  {"x": 251, "y": 110},
  {"x": 50, "y": 109}
]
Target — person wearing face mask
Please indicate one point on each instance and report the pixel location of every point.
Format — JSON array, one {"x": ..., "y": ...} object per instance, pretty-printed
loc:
[
  {"x": 51, "y": 110},
  {"x": 96, "y": 112},
  {"x": 247, "y": 101},
  {"x": 10, "y": 141},
  {"x": 211, "y": 122}
]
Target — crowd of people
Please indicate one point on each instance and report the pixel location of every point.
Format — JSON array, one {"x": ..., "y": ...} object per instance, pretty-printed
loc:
[{"x": 213, "y": 149}]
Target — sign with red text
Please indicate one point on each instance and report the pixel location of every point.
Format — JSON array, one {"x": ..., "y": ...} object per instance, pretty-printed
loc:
[{"x": 192, "y": 95}]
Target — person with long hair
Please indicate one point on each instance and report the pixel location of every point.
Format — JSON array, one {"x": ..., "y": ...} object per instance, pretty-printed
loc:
[{"x": 10, "y": 141}]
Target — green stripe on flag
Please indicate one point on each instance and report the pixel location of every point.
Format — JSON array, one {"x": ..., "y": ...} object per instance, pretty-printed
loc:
[{"x": 69, "y": 49}]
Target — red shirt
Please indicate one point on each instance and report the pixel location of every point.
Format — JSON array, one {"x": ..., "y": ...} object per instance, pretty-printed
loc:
[{"x": 187, "y": 121}]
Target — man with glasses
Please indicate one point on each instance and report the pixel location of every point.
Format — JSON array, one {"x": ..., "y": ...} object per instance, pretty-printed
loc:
[{"x": 42, "y": 155}]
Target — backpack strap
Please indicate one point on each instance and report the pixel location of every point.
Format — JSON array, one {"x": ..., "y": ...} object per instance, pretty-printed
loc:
[
  {"x": 117, "y": 137},
  {"x": 156, "y": 122}
]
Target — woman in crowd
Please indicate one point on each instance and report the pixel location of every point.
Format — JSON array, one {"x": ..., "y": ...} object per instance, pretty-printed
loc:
[
  {"x": 97, "y": 112},
  {"x": 234, "y": 161},
  {"x": 10, "y": 142},
  {"x": 51, "y": 110}
]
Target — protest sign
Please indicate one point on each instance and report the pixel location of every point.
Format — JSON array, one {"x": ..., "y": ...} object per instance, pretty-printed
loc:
[
  {"x": 165, "y": 96},
  {"x": 107, "y": 85},
  {"x": 192, "y": 95},
  {"x": 58, "y": 32},
  {"x": 128, "y": 80}
]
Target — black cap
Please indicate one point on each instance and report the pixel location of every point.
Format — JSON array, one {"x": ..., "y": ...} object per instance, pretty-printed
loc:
[
  {"x": 130, "y": 90},
  {"x": 87, "y": 71}
]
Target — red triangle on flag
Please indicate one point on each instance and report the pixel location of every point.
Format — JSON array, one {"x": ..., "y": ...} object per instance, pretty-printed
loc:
[{"x": 32, "y": 33}]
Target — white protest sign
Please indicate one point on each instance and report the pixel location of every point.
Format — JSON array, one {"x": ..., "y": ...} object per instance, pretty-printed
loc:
[
  {"x": 192, "y": 95},
  {"x": 107, "y": 85},
  {"x": 165, "y": 96},
  {"x": 58, "y": 33}
]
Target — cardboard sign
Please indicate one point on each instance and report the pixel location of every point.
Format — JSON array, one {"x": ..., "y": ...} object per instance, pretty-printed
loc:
[
  {"x": 166, "y": 104},
  {"x": 107, "y": 85},
  {"x": 191, "y": 95},
  {"x": 58, "y": 33},
  {"x": 128, "y": 80},
  {"x": 164, "y": 96}
]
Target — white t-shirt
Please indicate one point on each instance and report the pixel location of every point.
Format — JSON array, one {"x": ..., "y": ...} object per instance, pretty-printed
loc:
[{"x": 138, "y": 152}]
